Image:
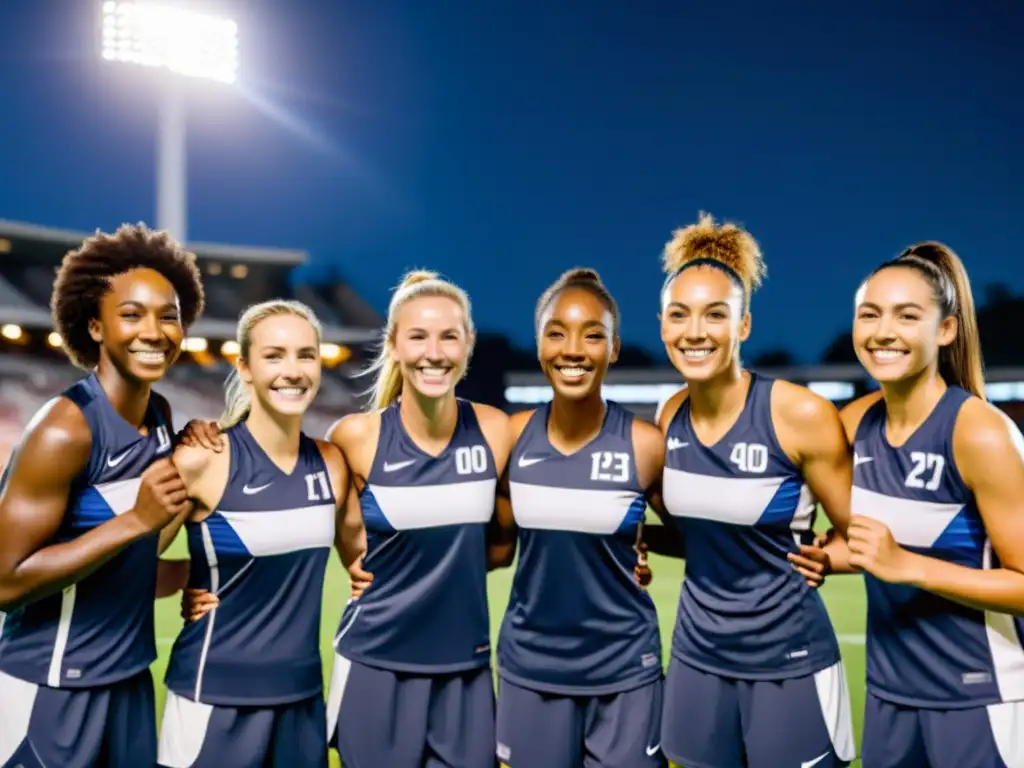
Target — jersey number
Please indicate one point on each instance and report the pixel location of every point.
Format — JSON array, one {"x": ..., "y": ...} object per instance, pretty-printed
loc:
[
  {"x": 471, "y": 460},
  {"x": 749, "y": 457},
  {"x": 317, "y": 488},
  {"x": 925, "y": 462},
  {"x": 609, "y": 466}
]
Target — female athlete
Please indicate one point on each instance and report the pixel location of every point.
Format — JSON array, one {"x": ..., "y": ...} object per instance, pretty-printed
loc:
[
  {"x": 579, "y": 653},
  {"x": 89, "y": 499},
  {"x": 755, "y": 676},
  {"x": 937, "y": 526},
  {"x": 245, "y": 681},
  {"x": 412, "y": 683}
]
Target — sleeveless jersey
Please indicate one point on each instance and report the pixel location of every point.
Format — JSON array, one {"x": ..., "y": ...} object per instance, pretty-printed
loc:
[
  {"x": 742, "y": 506},
  {"x": 263, "y": 551},
  {"x": 426, "y": 519},
  {"x": 922, "y": 649},
  {"x": 99, "y": 630},
  {"x": 577, "y": 623}
]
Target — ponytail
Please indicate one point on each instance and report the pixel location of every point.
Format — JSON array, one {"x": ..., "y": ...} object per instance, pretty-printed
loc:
[
  {"x": 237, "y": 394},
  {"x": 387, "y": 386},
  {"x": 960, "y": 363},
  {"x": 237, "y": 400}
]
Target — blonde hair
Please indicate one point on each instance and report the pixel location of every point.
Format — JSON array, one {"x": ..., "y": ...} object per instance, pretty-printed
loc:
[
  {"x": 728, "y": 247},
  {"x": 237, "y": 396},
  {"x": 388, "y": 374}
]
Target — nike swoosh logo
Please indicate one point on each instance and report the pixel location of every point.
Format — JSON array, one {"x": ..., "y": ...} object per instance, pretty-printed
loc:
[
  {"x": 858, "y": 460},
  {"x": 250, "y": 491},
  {"x": 398, "y": 465},
  {"x": 815, "y": 761},
  {"x": 653, "y": 750},
  {"x": 525, "y": 462},
  {"x": 113, "y": 461},
  {"x": 675, "y": 443}
]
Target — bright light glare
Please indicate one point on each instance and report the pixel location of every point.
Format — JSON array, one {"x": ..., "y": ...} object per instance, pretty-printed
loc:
[
  {"x": 11, "y": 331},
  {"x": 194, "y": 344},
  {"x": 188, "y": 43},
  {"x": 54, "y": 339},
  {"x": 229, "y": 348}
]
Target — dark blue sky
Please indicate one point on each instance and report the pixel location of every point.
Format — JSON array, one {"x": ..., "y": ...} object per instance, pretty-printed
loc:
[{"x": 503, "y": 142}]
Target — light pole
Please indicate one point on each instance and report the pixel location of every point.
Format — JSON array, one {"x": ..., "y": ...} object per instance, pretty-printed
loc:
[{"x": 185, "y": 43}]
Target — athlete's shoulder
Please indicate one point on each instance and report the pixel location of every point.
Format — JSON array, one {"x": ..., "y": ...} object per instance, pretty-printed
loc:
[
  {"x": 193, "y": 461},
  {"x": 355, "y": 428},
  {"x": 57, "y": 438},
  {"x": 985, "y": 436},
  {"x": 647, "y": 438},
  {"x": 800, "y": 407},
  {"x": 668, "y": 409},
  {"x": 336, "y": 465},
  {"x": 854, "y": 411},
  {"x": 517, "y": 423},
  {"x": 490, "y": 417}
]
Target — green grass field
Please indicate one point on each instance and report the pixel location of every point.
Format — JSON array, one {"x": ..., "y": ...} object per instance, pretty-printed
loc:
[{"x": 843, "y": 594}]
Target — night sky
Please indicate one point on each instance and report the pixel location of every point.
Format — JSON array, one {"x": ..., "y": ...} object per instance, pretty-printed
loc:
[{"x": 502, "y": 142}]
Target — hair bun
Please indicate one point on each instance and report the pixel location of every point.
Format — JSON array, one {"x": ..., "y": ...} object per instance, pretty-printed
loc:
[{"x": 729, "y": 244}]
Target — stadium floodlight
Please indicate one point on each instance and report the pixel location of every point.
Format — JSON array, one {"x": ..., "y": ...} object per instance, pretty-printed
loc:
[
  {"x": 229, "y": 348},
  {"x": 54, "y": 339},
  {"x": 183, "y": 42}
]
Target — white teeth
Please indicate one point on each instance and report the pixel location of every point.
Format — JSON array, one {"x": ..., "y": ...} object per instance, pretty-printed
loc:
[
  {"x": 433, "y": 372},
  {"x": 291, "y": 391},
  {"x": 149, "y": 357},
  {"x": 697, "y": 354},
  {"x": 573, "y": 373},
  {"x": 886, "y": 354}
]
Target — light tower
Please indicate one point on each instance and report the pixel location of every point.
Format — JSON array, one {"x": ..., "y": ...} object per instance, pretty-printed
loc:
[{"x": 185, "y": 43}]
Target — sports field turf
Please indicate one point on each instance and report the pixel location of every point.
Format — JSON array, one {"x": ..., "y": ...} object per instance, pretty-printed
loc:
[{"x": 843, "y": 594}]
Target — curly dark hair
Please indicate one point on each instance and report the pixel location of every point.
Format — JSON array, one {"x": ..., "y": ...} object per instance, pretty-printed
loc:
[{"x": 84, "y": 278}]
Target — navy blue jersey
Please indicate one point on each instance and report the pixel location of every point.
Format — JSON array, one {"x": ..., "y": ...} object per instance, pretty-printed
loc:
[
  {"x": 99, "y": 630},
  {"x": 922, "y": 649},
  {"x": 742, "y": 506},
  {"x": 577, "y": 623},
  {"x": 426, "y": 519},
  {"x": 263, "y": 552}
]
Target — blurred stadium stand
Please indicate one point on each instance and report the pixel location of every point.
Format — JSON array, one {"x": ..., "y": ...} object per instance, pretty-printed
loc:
[{"x": 33, "y": 369}]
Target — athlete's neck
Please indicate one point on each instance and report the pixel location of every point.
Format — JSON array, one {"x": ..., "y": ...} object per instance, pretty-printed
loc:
[
  {"x": 430, "y": 419},
  {"x": 574, "y": 423},
  {"x": 130, "y": 397},
  {"x": 721, "y": 396},
  {"x": 910, "y": 401},
  {"x": 278, "y": 435}
]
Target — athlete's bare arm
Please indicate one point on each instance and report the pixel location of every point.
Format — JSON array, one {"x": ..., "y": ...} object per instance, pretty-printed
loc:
[
  {"x": 832, "y": 552},
  {"x": 54, "y": 451},
  {"x": 649, "y": 449},
  {"x": 663, "y": 539},
  {"x": 988, "y": 451},
  {"x": 501, "y": 533},
  {"x": 356, "y": 437}
]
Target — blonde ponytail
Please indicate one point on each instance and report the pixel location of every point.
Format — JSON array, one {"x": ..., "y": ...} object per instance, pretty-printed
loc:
[
  {"x": 387, "y": 386},
  {"x": 237, "y": 394}
]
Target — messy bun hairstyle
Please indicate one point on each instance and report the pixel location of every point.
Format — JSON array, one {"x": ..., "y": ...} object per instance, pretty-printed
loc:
[
  {"x": 586, "y": 279},
  {"x": 726, "y": 247}
]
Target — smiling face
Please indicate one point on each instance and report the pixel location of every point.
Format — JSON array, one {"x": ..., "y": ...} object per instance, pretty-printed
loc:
[
  {"x": 282, "y": 368},
  {"x": 576, "y": 343},
  {"x": 139, "y": 325},
  {"x": 431, "y": 344},
  {"x": 703, "y": 322},
  {"x": 898, "y": 328}
]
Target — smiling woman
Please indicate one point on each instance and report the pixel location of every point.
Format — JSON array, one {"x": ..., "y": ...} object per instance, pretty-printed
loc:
[
  {"x": 755, "y": 661},
  {"x": 88, "y": 500},
  {"x": 267, "y": 508},
  {"x": 411, "y": 678}
]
